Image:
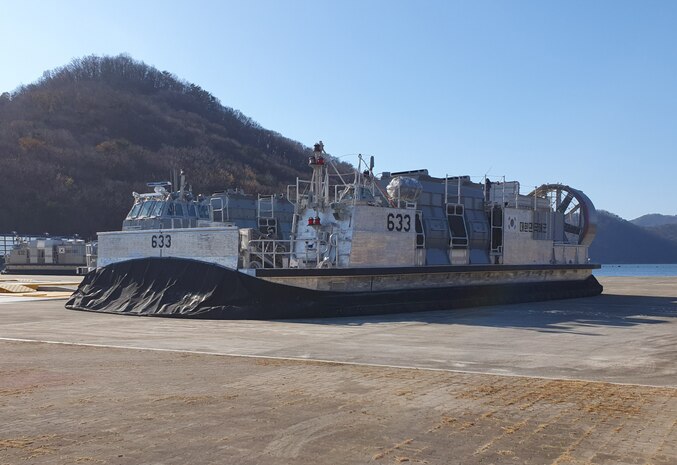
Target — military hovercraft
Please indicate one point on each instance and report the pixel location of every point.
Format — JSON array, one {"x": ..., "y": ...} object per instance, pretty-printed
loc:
[{"x": 355, "y": 245}]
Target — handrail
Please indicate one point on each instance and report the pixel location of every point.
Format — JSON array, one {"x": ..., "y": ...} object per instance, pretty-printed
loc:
[{"x": 269, "y": 250}]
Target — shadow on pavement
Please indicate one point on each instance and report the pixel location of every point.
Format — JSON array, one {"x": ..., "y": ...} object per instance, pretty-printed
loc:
[{"x": 578, "y": 316}]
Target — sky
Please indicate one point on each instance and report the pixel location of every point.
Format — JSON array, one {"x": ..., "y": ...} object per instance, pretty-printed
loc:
[{"x": 578, "y": 92}]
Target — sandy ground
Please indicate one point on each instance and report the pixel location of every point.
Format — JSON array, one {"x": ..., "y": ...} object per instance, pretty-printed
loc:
[{"x": 70, "y": 404}]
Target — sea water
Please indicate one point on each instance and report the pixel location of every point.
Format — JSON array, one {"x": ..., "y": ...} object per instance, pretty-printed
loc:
[{"x": 669, "y": 269}]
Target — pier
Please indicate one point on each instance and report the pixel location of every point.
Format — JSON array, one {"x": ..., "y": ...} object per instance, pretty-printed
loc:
[{"x": 590, "y": 380}]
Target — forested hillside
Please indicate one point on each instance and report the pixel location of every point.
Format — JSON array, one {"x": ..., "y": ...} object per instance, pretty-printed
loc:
[
  {"x": 75, "y": 144},
  {"x": 654, "y": 219},
  {"x": 620, "y": 241},
  {"x": 667, "y": 231}
]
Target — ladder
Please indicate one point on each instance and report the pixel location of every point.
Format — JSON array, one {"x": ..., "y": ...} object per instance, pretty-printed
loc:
[
  {"x": 265, "y": 206},
  {"x": 265, "y": 215}
]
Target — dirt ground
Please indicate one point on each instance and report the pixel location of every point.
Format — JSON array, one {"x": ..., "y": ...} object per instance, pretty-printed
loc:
[{"x": 66, "y": 404}]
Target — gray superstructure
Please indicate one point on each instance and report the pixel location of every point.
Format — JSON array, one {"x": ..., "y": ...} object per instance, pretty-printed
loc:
[
  {"x": 166, "y": 209},
  {"x": 429, "y": 221},
  {"x": 146, "y": 228}
]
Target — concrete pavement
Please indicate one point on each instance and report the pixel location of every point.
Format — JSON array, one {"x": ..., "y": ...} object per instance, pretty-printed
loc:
[{"x": 626, "y": 335}]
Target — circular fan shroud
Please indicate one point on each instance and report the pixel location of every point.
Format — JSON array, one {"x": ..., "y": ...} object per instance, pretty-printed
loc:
[{"x": 580, "y": 216}]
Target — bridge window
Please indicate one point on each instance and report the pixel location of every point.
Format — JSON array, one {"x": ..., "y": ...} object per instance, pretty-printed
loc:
[
  {"x": 146, "y": 209},
  {"x": 134, "y": 211},
  {"x": 157, "y": 211}
]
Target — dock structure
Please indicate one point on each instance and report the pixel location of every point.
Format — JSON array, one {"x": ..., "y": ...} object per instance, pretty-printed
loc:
[{"x": 590, "y": 380}]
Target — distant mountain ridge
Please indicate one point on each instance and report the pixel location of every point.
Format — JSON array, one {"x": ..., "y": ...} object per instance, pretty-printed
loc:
[
  {"x": 664, "y": 226},
  {"x": 667, "y": 231},
  {"x": 654, "y": 219},
  {"x": 621, "y": 241}
]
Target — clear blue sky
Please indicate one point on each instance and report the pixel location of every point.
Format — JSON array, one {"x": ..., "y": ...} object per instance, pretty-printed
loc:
[{"x": 583, "y": 93}]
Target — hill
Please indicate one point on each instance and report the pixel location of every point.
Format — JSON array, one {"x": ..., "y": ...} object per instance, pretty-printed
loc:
[
  {"x": 664, "y": 226},
  {"x": 667, "y": 231},
  {"x": 620, "y": 241},
  {"x": 654, "y": 219},
  {"x": 75, "y": 144}
]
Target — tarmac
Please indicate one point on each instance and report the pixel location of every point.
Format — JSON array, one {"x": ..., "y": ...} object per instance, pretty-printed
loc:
[{"x": 583, "y": 381}]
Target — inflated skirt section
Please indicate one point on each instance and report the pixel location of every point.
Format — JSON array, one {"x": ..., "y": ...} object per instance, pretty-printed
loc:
[{"x": 175, "y": 287}]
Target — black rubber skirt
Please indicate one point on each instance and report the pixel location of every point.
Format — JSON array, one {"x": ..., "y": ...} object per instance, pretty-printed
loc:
[{"x": 175, "y": 287}]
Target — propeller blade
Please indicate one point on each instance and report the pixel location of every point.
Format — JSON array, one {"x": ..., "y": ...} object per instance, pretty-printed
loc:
[
  {"x": 574, "y": 210},
  {"x": 565, "y": 203},
  {"x": 571, "y": 229}
]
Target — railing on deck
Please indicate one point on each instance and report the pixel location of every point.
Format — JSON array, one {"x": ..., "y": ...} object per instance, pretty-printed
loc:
[
  {"x": 277, "y": 253},
  {"x": 570, "y": 254}
]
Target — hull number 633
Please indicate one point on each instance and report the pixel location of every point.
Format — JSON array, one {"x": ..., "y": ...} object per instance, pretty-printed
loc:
[
  {"x": 398, "y": 222},
  {"x": 161, "y": 241}
]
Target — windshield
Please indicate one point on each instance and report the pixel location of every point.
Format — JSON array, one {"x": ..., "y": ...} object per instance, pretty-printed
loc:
[
  {"x": 134, "y": 211},
  {"x": 157, "y": 211},
  {"x": 146, "y": 208}
]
